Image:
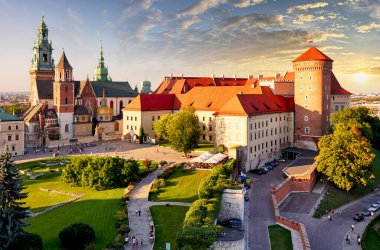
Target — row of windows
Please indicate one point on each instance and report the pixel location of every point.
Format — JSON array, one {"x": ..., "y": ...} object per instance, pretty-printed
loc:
[
  {"x": 259, "y": 134},
  {"x": 337, "y": 107},
  {"x": 135, "y": 127},
  {"x": 132, "y": 118},
  {"x": 265, "y": 145},
  {"x": 153, "y": 118},
  {"x": 10, "y": 127},
  {"x": 204, "y": 128},
  {"x": 209, "y": 137},
  {"x": 17, "y": 137},
  {"x": 266, "y": 123},
  {"x": 204, "y": 119}
]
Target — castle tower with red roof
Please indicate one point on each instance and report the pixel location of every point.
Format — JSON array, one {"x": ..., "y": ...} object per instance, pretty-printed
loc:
[{"x": 312, "y": 90}]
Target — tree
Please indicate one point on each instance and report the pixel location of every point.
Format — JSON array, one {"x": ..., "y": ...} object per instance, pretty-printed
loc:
[
  {"x": 181, "y": 129},
  {"x": 141, "y": 135},
  {"x": 26, "y": 242},
  {"x": 77, "y": 236},
  {"x": 159, "y": 126},
  {"x": 12, "y": 212},
  {"x": 363, "y": 119},
  {"x": 345, "y": 157}
]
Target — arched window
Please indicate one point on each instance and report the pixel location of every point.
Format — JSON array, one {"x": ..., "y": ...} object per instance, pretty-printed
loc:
[
  {"x": 66, "y": 101},
  {"x": 111, "y": 104},
  {"x": 67, "y": 128},
  {"x": 121, "y": 105}
]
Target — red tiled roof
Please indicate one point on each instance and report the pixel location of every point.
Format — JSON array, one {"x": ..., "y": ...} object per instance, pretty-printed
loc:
[
  {"x": 288, "y": 77},
  {"x": 151, "y": 102},
  {"x": 336, "y": 89},
  {"x": 312, "y": 54},
  {"x": 177, "y": 85},
  {"x": 254, "y": 104}
]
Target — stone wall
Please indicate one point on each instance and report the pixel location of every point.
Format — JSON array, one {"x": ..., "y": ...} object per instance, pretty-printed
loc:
[
  {"x": 228, "y": 245},
  {"x": 232, "y": 205}
]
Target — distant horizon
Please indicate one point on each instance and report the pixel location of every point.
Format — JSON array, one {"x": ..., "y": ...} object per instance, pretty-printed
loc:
[{"x": 148, "y": 39}]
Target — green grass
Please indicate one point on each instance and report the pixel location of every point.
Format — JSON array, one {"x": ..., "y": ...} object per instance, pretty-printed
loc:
[
  {"x": 337, "y": 197},
  {"x": 168, "y": 221},
  {"x": 181, "y": 186},
  {"x": 280, "y": 238},
  {"x": 371, "y": 239},
  {"x": 201, "y": 146}
]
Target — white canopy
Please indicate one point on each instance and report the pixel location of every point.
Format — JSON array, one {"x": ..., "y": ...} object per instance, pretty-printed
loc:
[
  {"x": 202, "y": 158},
  {"x": 216, "y": 158}
]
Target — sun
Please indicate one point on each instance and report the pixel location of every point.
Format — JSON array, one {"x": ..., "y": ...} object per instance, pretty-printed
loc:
[{"x": 360, "y": 77}]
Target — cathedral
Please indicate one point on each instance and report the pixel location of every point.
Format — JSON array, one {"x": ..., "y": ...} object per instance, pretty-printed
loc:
[{"x": 63, "y": 109}]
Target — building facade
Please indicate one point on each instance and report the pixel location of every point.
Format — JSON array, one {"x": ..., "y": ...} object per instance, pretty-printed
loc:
[{"x": 11, "y": 133}]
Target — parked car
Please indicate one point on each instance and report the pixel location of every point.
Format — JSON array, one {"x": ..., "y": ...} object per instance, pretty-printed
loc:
[
  {"x": 358, "y": 217},
  {"x": 378, "y": 202},
  {"x": 372, "y": 209},
  {"x": 281, "y": 159},
  {"x": 366, "y": 212},
  {"x": 375, "y": 206},
  {"x": 268, "y": 166},
  {"x": 232, "y": 223},
  {"x": 272, "y": 163}
]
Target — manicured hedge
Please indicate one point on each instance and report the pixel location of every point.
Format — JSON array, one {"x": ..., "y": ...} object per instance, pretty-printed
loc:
[{"x": 199, "y": 231}]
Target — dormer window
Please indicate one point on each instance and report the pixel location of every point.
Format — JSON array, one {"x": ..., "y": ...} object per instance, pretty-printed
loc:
[{"x": 44, "y": 57}]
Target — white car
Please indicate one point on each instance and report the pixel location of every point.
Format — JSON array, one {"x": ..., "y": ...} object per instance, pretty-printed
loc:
[
  {"x": 375, "y": 206},
  {"x": 372, "y": 209}
]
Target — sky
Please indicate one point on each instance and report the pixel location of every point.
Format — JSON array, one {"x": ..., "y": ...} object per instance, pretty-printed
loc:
[{"x": 149, "y": 39}]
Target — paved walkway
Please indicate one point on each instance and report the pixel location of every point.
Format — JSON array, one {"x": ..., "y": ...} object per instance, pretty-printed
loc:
[{"x": 141, "y": 225}]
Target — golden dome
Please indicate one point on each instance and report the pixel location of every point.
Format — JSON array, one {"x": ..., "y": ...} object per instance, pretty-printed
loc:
[{"x": 104, "y": 110}]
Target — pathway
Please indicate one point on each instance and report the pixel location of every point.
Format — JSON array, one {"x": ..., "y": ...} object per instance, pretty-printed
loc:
[{"x": 140, "y": 225}]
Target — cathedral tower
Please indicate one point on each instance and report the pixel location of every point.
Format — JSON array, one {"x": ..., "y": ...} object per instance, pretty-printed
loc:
[
  {"x": 101, "y": 71},
  {"x": 312, "y": 87},
  {"x": 42, "y": 63},
  {"x": 63, "y": 97}
]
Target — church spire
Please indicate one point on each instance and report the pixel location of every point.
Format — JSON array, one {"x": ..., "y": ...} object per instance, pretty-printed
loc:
[
  {"x": 42, "y": 50},
  {"x": 101, "y": 71}
]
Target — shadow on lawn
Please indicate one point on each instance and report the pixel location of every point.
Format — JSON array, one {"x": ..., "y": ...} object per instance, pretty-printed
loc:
[{"x": 99, "y": 213}]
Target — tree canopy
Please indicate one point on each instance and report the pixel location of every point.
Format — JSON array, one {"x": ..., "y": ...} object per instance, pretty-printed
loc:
[
  {"x": 12, "y": 211},
  {"x": 181, "y": 129},
  {"x": 345, "y": 156}
]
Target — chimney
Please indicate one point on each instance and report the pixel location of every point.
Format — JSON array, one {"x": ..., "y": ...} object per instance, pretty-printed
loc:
[
  {"x": 182, "y": 76},
  {"x": 222, "y": 76},
  {"x": 235, "y": 76},
  {"x": 277, "y": 75},
  {"x": 250, "y": 76},
  {"x": 170, "y": 76},
  {"x": 259, "y": 76},
  {"x": 212, "y": 76}
]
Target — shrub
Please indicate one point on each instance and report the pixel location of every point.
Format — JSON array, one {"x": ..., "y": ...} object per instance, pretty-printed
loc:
[
  {"x": 123, "y": 229},
  {"x": 77, "y": 236},
  {"x": 147, "y": 163},
  {"x": 144, "y": 172},
  {"x": 197, "y": 237},
  {"x": 26, "y": 242},
  {"x": 163, "y": 162}
]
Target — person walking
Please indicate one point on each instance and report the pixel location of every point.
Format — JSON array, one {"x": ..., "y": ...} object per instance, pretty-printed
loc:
[
  {"x": 349, "y": 240},
  {"x": 352, "y": 227},
  {"x": 346, "y": 238},
  {"x": 137, "y": 211},
  {"x": 359, "y": 240}
]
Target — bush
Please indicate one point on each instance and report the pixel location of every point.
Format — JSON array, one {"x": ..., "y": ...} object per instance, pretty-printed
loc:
[
  {"x": 162, "y": 163},
  {"x": 77, "y": 236},
  {"x": 26, "y": 242},
  {"x": 144, "y": 172},
  {"x": 123, "y": 229},
  {"x": 147, "y": 163},
  {"x": 197, "y": 237}
]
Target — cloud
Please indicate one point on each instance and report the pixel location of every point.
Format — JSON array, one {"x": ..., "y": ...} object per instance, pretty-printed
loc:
[
  {"x": 200, "y": 7},
  {"x": 369, "y": 71},
  {"x": 367, "y": 27},
  {"x": 347, "y": 53},
  {"x": 247, "y": 3},
  {"x": 74, "y": 16},
  {"x": 252, "y": 21},
  {"x": 372, "y": 7},
  {"x": 307, "y": 6},
  {"x": 186, "y": 23},
  {"x": 326, "y": 48},
  {"x": 305, "y": 18},
  {"x": 323, "y": 35},
  {"x": 134, "y": 7}
]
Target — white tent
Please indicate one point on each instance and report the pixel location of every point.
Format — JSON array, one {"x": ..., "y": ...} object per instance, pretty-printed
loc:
[
  {"x": 216, "y": 158},
  {"x": 202, "y": 158}
]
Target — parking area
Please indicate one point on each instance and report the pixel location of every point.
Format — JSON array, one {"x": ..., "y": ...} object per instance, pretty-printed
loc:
[{"x": 299, "y": 203}]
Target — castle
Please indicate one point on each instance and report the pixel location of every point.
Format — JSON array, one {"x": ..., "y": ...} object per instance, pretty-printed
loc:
[
  {"x": 243, "y": 117},
  {"x": 63, "y": 109}
]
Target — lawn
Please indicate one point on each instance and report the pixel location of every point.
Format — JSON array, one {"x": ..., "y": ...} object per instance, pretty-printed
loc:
[
  {"x": 96, "y": 208},
  {"x": 201, "y": 146},
  {"x": 168, "y": 220},
  {"x": 371, "y": 239},
  {"x": 337, "y": 197},
  {"x": 280, "y": 238},
  {"x": 181, "y": 186}
]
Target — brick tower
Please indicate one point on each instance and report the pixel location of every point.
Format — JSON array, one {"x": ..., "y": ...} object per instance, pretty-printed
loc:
[
  {"x": 312, "y": 89},
  {"x": 63, "y": 97},
  {"x": 42, "y": 63}
]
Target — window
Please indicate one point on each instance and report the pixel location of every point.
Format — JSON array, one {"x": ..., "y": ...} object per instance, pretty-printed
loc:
[
  {"x": 204, "y": 137},
  {"x": 111, "y": 104},
  {"x": 210, "y": 138},
  {"x": 16, "y": 127},
  {"x": 17, "y": 137},
  {"x": 255, "y": 125},
  {"x": 135, "y": 128},
  {"x": 250, "y": 125},
  {"x": 341, "y": 107},
  {"x": 307, "y": 130},
  {"x": 60, "y": 75},
  {"x": 121, "y": 105},
  {"x": 127, "y": 118},
  {"x": 255, "y": 148},
  {"x": 271, "y": 131},
  {"x": 266, "y": 132},
  {"x": 127, "y": 126},
  {"x": 135, "y": 118},
  {"x": 9, "y": 138},
  {"x": 9, "y": 127},
  {"x": 209, "y": 119},
  {"x": 250, "y": 136},
  {"x": 158, "y": 117},
  {"x": 66, "y": 75},
  {"x": 306, "y": 118},
  {"x": 306, "y": 97},
  {"x": 250, "y": 150},
  {"x": 271, "y": 119},
  {"x": 152, "y": 118},
  {"x": 300, "y": 87},
  {"x": 266, "y": 123},
  {"x": 204, "y": 128},
  {"x": 203, "y": 118},
  {"x": 44, "y": 57},
  {"x": 210, "y": 128},
  {"x": 66, "y": 101},
  {"x": 67, "y": 128}
]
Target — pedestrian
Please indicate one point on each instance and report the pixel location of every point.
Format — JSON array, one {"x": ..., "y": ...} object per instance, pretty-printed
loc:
[
  {"x": 352, "y": 227},
  {"x": 127, "y": 240},
  {"x": 371, "y": 213},
  {"x": 141, "y": 242},
  {"x": 137, "y": 211},
  {"x": 359, "y": 240},
  {"x": 133, "y": 242},
  {"x": 332, "y": 211},
  {"x": 329, "y": 217},
  {"x": 349, "y": 239}
]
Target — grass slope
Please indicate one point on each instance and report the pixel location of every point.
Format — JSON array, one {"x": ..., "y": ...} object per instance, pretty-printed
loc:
[
  {"x": 181, "y": 186},
  {"x": 338, "y": 197},
  {"x": 371, "y": 239},
  {"x": 280, "y": 238},
  {"x": 168, "y": 221}
]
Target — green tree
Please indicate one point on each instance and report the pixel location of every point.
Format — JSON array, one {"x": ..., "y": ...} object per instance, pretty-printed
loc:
[
  {"x": 363, "y": 119},
  {"x": 181, "y": 129},
  {"x": 12, "y": 212},
  {"x": 141, "y": 135},
  {"x": 160, "y": 125},
  {"x": 345, "y": 157}
]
